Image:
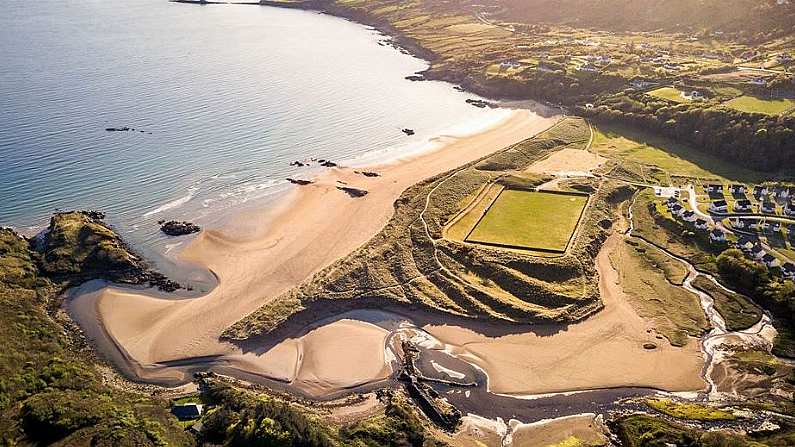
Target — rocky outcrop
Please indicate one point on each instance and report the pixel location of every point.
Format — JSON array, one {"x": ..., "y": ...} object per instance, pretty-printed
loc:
[
  {"x": 353, "y": 192},
  {"x": 78, "y": 246},
  {"x": 297, "y": 181},
  {"x": 176, "y": 228}
]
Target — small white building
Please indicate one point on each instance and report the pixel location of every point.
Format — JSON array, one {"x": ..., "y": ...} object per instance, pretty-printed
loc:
[
  {"x": 505, "y": 65},
  {"x": 714, "y": 188},
  {"x": 757, "y": 81},
  {"x": 770, "y": 261},
  {"x": 718, "y": 206},
  {"x": 743, "y": 206},
  {"x": 758, "y": 252},
  {"x": 737, "y": 189}
]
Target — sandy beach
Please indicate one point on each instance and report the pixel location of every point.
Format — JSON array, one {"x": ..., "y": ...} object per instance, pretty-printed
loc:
[{"x": 264, "y": 254}]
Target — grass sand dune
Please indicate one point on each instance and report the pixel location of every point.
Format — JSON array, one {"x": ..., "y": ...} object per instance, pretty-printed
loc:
[{"x": 605, "y": 350}]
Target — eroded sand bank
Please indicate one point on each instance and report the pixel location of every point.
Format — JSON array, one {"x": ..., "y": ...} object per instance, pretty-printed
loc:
[{"x": 265, "y": 255}]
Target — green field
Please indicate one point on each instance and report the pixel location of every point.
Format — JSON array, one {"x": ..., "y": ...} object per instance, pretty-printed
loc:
[
  {"x": 528, "y": 219},
  {"x": 751, "y": 104},
  {"x": 668, "y": 93},
  {"x": 674, "y": 158}
]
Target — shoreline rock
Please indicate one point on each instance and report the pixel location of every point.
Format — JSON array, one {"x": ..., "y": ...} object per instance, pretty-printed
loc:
[
  {"x": 353, "y": 192},
  {"x": 301, "y": 182},
  {"x": 408, "y": 131},
  {"x": 176, "y": 228}
]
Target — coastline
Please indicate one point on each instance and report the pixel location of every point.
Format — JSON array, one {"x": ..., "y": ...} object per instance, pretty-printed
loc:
[{"x": 269, "y": 252}]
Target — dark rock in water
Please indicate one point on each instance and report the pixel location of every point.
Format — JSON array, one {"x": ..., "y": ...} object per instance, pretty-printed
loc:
[
  {"x": 415, "y": 77},
  {"x": 459, "y": 88},
  {"x": 408, "y": 132},
  {"x": 649, "y": 346},
  {"x": 297, "y": 163},
  {"x": 481, "y": 103},
  {"x": 175, "y": 228},
  {"x": 125, "y": 129},
  {"x": 296, "y": 181},
  {"x": 353, "y": 192},
  {"x": 368, "y": 173},
  {"x": 328, "y": 164}
]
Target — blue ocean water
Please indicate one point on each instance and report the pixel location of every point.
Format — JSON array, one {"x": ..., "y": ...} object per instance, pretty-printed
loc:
[{"x": 226, "y": 96}]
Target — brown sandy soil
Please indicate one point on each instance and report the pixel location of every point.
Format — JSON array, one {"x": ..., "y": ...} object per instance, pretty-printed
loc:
[
  {"x": 605, "y": 350},
  {"x": 476, "y": 431},
  {"x": 313, "y": 227},
  {"x": 573, "y": 161},
  {"x": 550, "y": 433}
]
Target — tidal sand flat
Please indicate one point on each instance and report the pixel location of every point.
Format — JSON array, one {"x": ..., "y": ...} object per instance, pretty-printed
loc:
[{"x": 313, "y": 226}]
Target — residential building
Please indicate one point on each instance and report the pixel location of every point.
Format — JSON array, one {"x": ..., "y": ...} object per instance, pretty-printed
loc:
[
  {"x": 770, "y": 261},
  {"x": 718, "y": 206},
  {"x": 701, "y": 224},
  {"x": 737, "y": 189},
  {"x": 187, "y": 411},
  {"x": 714, "y": 188},
  {"x": 743, "y": 206},
  {"x": 768, "y": 207},
  {"x": 717, "y": 235},
  {"x": 689, "y": 216},
  {"x": 788, "y": 270}
]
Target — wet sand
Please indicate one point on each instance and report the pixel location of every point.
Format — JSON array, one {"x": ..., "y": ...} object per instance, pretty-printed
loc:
[{"x": 265, "y": 253}]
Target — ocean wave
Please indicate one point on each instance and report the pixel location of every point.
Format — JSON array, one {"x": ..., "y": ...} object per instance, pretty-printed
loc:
[{"x": 174, "y": 203}]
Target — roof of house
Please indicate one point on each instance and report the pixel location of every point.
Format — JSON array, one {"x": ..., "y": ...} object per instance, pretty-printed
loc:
[
  {"x": 187, "y": 411},
  {"x": 719, "y": 203},
  {"x": 745, "y": 240},
  {"x": 743, "y": 202},
  {"x": 688, "y": 214},
  {"x": 768, "y": 258},
  {"x": 767, "y": 204},
  {"x": 717, "y": 232},
  {"x": 788, "y": 267},
  {"x": 701, "y": 222}
]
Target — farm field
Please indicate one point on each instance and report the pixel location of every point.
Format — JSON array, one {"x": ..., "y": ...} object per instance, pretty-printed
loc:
[
  {"x": 752, "y": 104},
  {"x": 541, "y": 221}
]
